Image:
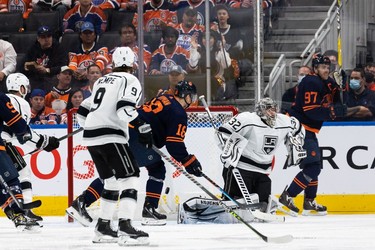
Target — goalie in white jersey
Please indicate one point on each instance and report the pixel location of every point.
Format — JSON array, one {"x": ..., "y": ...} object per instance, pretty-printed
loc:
[
  {"x": 105, "y": 117},
  {"x": 251, "y": 139}
]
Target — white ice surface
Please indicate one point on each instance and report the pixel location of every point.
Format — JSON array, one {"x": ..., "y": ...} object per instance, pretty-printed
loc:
[{"x": 331, "y": 232}]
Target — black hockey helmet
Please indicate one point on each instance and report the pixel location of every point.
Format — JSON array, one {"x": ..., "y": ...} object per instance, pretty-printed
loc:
[
  {"x": 185, "y": 88},
  {"x": 320, "y": 59}
]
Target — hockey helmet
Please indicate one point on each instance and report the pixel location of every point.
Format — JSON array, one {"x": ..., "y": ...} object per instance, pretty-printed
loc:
[
  {"x": 320, "y": 59},
  {"x": 267, "y": 109},
  {"x": 15, "y": 81},
  {"x": 123, "y": 56},
  {"x": 185, "y": 88}
]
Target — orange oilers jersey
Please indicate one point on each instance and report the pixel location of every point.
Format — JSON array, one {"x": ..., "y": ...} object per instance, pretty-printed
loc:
[
  {"x": 22, "y": 6},
  {"x": 153, "y": 17},
  {"x": 81, "y": 59}
]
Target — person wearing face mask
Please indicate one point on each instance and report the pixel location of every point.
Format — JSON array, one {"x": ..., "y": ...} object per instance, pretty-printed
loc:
[
  {"x": 361, "y": 97},
  {"x": 289, "y": 95}
]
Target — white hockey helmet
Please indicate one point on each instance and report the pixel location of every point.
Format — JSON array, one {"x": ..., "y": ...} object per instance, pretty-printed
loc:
[
  {"x": 267, "y": 109},
  {"x": 123, "y": 56},
  {"x": 15, "y": 81}
]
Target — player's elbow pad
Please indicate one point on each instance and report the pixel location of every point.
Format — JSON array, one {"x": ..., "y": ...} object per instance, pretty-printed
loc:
[
  {"x": 126, "y": 111},
  {"x": 82, "y": 113}
]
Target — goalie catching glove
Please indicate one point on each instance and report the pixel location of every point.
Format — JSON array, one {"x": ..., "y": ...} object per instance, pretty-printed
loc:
[
  {"x": 296, "y": 153},
  {"x": 192, "y": 165},
  {"x": 47, "y": 143}
]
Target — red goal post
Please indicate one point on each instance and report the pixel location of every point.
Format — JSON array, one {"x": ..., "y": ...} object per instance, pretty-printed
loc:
[{"x": 197, "y": 118}]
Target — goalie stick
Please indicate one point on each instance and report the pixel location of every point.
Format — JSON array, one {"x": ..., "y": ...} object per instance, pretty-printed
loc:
[
  {"x": 59, "y": 139},
  {"x": 280, "y": 239}
]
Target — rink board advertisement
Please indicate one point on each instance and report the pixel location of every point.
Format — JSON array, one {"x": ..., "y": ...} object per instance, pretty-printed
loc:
[{"x": 347, "y": 175}]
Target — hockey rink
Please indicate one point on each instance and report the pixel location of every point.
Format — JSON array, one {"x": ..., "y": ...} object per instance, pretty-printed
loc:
[{"x": 331, "y": 232}]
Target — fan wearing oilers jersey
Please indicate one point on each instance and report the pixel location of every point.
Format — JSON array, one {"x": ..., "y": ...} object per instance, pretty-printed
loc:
[
  {"x": 250, "y": 141},
  {"x": 167, "y": 117},
  {"x": 169, "y": 54}
]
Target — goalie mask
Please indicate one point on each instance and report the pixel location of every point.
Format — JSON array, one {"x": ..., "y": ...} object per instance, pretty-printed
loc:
[
  {"x": 15, "y": 82},
  {"x": 267, "y": 109}
]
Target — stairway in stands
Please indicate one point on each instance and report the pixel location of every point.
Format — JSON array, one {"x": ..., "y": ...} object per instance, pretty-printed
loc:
[{"x": 291, "y": 33}]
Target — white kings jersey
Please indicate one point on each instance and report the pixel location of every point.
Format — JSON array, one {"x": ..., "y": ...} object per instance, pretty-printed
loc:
[
  {"x": 262, "y": 140},
  {"x": 112, "y": 105},
  {"x": 23, "y": 107}
]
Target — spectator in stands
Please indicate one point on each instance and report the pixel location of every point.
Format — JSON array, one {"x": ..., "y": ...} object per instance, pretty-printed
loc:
[
  {"x": 290, "y": 94},
  {"x": 199, "y": 5},
  {"x": 156, "y": 15},
  {"x": 93, "y": 74},
  {"x": 333, "y": 56},
  {"x": 8, "y": 62},
  {"x": 38, "y": 110},
  {"x": 129, "y": 5},
  {"x": 361, "y": 97},
  {"x": 83, "y": 12},
  {"x": 75, "y": 99},
  {"x": 188, "y": 28},
  {"x": 370, "y": 81},
  {"x": 104, "y": 4},
  {"x": 61, "y": 90},
  {"x": 175, "y": 75},
  {"x": 230, "y": 38},
  {"x": 87, "y": 53},
  {"x": 370, "y": 68},
  {"x": 23, "y": 6},
  {"x": 224, "y": 70},
  {"x": 128, "y": 38},
  {"x": 44, "y": 60},
  {"x": 170, "y": 54},
  {"x": 60, "y": 6}
]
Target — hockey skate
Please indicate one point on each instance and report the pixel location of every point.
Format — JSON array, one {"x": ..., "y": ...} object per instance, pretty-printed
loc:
[
  {"x": 151, "y": 217},
  {"x": 104, "y": 233},
  {"x": 78, "y": 211},
  {"x": 29, "y": 213},
  {"x": 311, "y": 208},
  {"x": 287, "y": 204},
  {"x": 22, "y": 222},
  {"x": 129, "y": 236}
]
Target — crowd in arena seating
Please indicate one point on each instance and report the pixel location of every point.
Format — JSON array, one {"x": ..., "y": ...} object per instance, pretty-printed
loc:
[{"x": 57, "y": 40}]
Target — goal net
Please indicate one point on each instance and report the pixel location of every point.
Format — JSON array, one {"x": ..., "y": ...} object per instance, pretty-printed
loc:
[{"x": 199, "y": 140}]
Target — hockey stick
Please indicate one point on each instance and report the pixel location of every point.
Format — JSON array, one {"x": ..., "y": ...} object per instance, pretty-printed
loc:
[
  {"x": 59, "y": 139},
  {"x": 338, "y": 75},
  {"x": 280, "y": 239}
]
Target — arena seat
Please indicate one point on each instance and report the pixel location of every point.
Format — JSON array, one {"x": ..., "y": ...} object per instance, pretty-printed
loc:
[
  {"x": 22, "y": 42},
  {"x": 49, "y": 18},
  {"x": 10, "y": 23},
  {"x": 118, "y": 18},
  {"x": 109, "y": 39},
  {"x": 69, "y": 41}
]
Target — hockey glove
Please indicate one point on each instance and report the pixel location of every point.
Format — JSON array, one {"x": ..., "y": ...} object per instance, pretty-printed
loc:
[
  {"x": 192, "y": 165},
  {"x": 23, "y": 138},
  {"x": 145, "y": 135},
  {"x": 338, "y": 110},
  {"x": 47, "y": 143}
]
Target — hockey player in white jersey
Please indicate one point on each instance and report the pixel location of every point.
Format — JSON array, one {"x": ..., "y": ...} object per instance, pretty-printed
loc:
[
  {"x": 18, "y": 86},
  {"x": 105, "y": 117},
  {"x": 251, "y": 139}
]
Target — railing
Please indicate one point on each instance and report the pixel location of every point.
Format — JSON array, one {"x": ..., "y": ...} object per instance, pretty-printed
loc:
[{"x": 277, "y": 71}]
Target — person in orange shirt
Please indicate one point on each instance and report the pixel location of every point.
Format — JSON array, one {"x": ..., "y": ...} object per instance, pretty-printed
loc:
[
  {"x": 23, "y": 6},
  {"x": 62, "y": 89}
]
